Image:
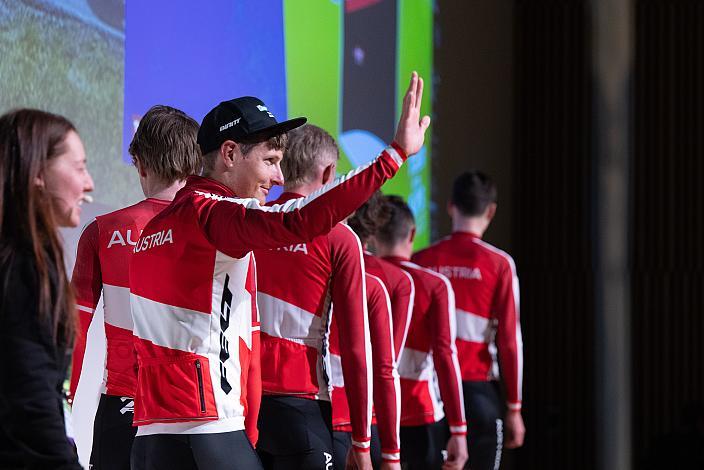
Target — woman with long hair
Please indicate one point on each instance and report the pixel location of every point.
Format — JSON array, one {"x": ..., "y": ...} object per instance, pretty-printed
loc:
[{"x": 43, "y": 181}]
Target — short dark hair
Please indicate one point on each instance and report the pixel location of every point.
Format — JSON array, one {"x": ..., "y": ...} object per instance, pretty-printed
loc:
[
  {"x": 370, "y": 216},
  {"x": 307, "y": 146},
  {"x": 165, "y": 144},
  {"x": 400, "y": 223},
  {"x": 472, "y": 192},
  {"x": 277, "y": 142}
]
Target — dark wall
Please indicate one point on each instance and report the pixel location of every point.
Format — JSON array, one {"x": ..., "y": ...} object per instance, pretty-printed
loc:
[
  {"x": 552, "y": 174},
  {"x": 513, "y": 98},
  {"x": 538, "y": 145},
  {"x": 473, "y": 119},
  {"x": 668, "y": 234}
]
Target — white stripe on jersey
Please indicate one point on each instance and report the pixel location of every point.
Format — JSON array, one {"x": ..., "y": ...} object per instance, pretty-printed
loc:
[
  {"x": 116, "y": 302},
  {"x": 517, "y": 302},
  {"x": 287, "y": 321},
  {"x": 299, "y": 203},
  {"x": 473, "y": 327}
]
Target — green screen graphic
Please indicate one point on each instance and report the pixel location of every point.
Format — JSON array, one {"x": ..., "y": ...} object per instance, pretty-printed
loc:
[{"x": 316, "y": 42}]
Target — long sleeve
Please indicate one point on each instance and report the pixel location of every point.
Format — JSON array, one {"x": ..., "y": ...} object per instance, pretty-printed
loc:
[
  {"x": 509, "y": 340},
  {"x": 443, "y": 334},
  {"x": 237, "y": 226},
  {"x": 87, "y": 285},
  {"x": 402, "y": 310},
  {"x": 31, "y": 374},
  {"x": 254, "y": 376},
  {"x": 387, "y": 388},
  {"x": 349, "y": 300},
  {"x": 254, "y": 390}
]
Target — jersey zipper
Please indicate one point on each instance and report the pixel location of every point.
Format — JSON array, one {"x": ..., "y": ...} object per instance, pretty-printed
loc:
[{"x": 201, "y": 393}]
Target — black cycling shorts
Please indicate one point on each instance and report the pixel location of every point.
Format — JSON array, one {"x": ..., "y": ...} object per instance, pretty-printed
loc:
[
  {"x": 219, "y": 451},
  {"x": 485, "y": 410},
  {"x": 295, "y": 433},
  {"x": 113, "y": 433},
  {"x": 422, "y": 446}
]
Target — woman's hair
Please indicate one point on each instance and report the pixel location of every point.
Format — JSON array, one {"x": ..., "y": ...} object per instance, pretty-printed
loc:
[{"x": 29, "y": 139}]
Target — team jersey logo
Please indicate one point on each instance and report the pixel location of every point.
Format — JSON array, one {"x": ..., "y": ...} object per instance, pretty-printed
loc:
[
  {"x": 155, "y": 239},
  {"x": 123, "y": 240},
  {"x": 300, "y": 247},
  {"x": 459, "y": 272},
  {"x": 225, "y": 306}
]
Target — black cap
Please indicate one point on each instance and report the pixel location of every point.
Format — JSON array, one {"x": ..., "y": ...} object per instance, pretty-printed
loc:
[{"x": 242, "y": 119}]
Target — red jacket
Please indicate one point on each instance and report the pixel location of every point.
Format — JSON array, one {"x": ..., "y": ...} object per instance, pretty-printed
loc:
[
  {"x": 387, "y": 391},
  {"x": 102, "y": 266},
  {"x": 487, "y": 298},
  {"x": 297, "y": 286},
  {"x": 193, "y": 296},
  {"x": 430, "y": 349}
]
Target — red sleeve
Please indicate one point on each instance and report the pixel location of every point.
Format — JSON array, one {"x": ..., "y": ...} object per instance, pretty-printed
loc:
[
  {"x": 402, "y": 309},
  {"x": 237, "y": 226},
  {"x": 387, "y": 388},
  {"x": 350, "y": 310},
  {"x": 444, "y": 332},
  {"x": 87, "y": 283},
  {"x": 254, "y": 376},
  {"x": 254, "y": 390},
  {"x": 509, "y": 341}
]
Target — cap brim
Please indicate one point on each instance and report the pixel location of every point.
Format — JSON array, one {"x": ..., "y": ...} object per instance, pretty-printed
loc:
[{"x": 277, "y": 129}]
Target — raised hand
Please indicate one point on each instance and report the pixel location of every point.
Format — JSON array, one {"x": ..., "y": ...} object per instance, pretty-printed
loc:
[{"x": 410, "y": 133}]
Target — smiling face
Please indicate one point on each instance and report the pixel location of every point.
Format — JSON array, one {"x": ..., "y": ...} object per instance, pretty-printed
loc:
[
  {"x": 254, "y": 174},
  {"x": 66, "y": 179}
]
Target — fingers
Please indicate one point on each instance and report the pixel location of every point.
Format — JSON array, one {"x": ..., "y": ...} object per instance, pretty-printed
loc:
[
  {"x": 424, "y": 123},
  {"x": 418, "y": 94},
  {"x": 412, "y": 85},
  {"x": 450, "y": 465},
  {"x": 409, "y": 101}
]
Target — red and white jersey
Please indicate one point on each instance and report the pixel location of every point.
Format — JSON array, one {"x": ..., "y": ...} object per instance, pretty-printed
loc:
[
  {"x": 487, "y": 299},
  {"x": 387, "y": 392},
  {"x": 297, "y": 286},
  {"x": 102, "y": 265},
  {"x": 430, "y": 350},
  {"x": 399, "y": 285},
  {"x": 193, "y": 296}
]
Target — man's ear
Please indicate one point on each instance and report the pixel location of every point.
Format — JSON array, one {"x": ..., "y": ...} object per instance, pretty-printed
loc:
[
  {"x": 413, "y": 234},
  {"x": 490, "y": 211},
  {"x": 450, "y": 209},
  {"x": 329, "y": 173},
  {"x": 140, "y": 168},
  {"x": 229, "y": 151}
]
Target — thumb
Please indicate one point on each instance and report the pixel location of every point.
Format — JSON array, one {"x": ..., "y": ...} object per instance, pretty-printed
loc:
[{"x": 424, "y": 123}]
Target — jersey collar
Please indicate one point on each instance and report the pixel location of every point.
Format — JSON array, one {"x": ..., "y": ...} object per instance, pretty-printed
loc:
[
  {"x": 396, "y": 259},
  {"x": 208, "y": 184},
  {"x": 463, "y": 234}
]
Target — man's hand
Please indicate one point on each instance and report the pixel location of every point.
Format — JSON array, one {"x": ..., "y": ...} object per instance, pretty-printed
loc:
[
  {"x": 390, "y": 465},
  {"x": 515, "y": 429},
  {"x": 410, "y": 133},
  {"x": 358, "y": 460},
  {"x": 456, "y": 453}
]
